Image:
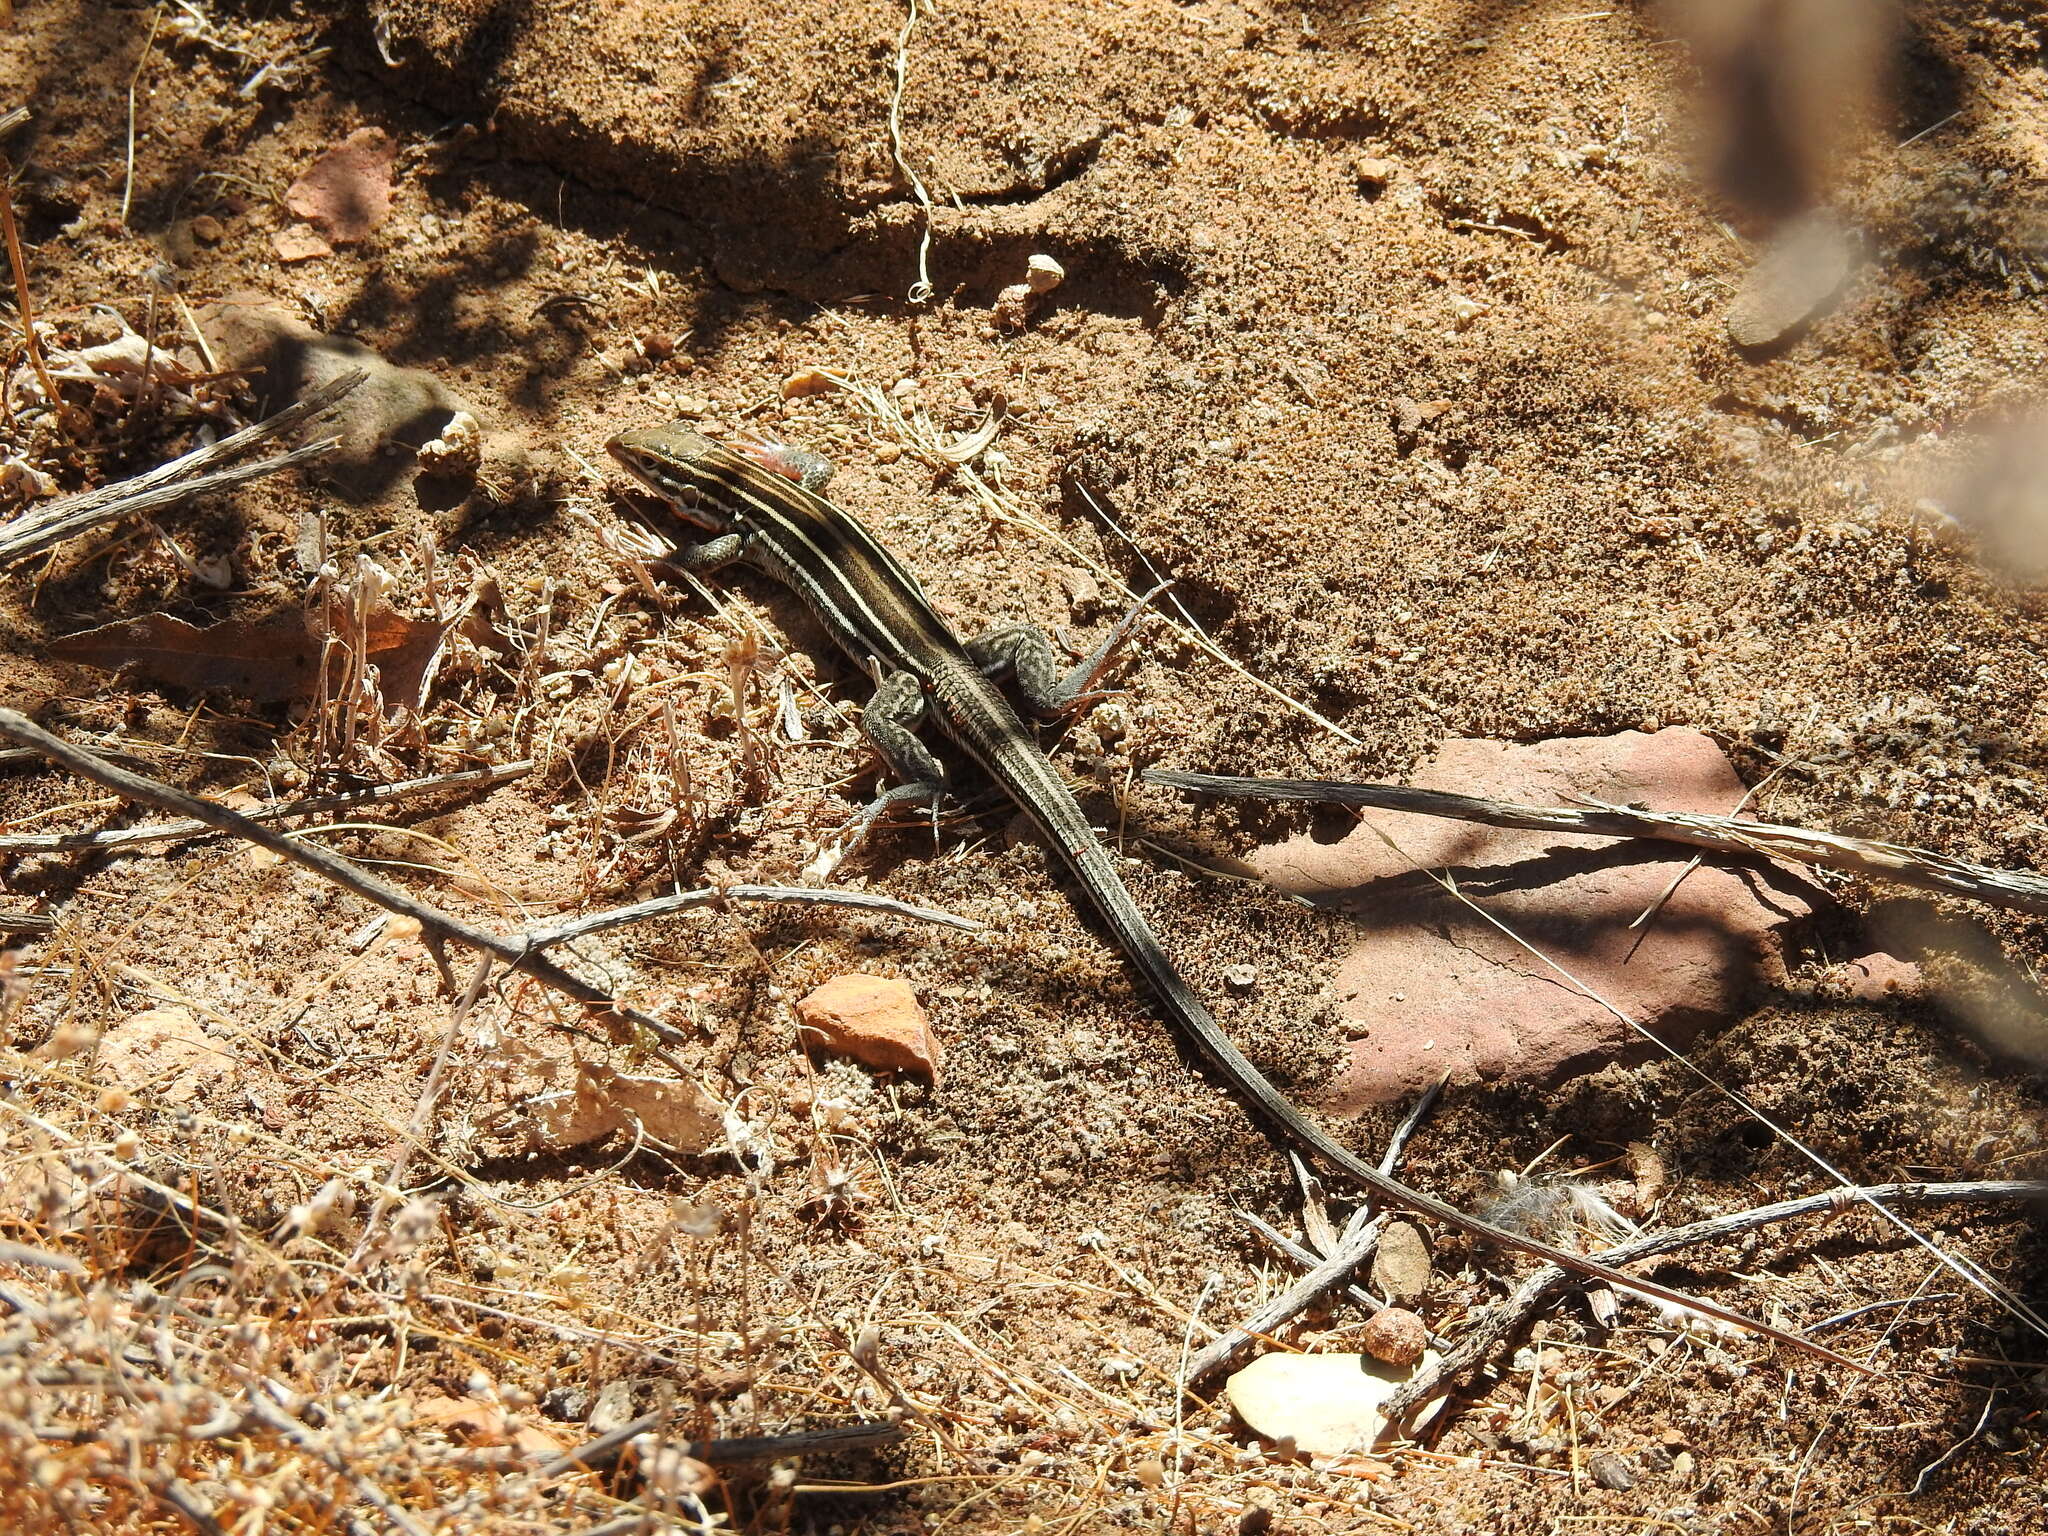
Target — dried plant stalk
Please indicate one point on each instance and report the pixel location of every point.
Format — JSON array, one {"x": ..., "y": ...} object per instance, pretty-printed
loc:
[
  {"x": 2021, "y": 890},
  {"x": 19, "y": 264},
  {"x": 166, "y": 485}
]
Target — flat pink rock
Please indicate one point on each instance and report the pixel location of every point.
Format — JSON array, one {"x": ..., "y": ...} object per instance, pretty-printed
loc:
[
  {"x": 347, "y": 191},
  {"x": 1431, "y": 986}
]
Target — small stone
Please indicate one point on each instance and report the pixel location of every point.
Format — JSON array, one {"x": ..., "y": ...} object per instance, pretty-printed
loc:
[
  {"x": 1400, "y": 1265},
  {"x": 1877, "y": 977},
  {"x": 1372, "y": 171},
  {"x": 347, "y": 191},
  {"x": 1395, "y": 1335},
  {"x": 1042, "y": 274},
  {"x": 300, "y": 242},
  {"x": 1681, "y": 1466},
  {"x": 872, "y": 1019},
  {"x": 1610, "y": 1471},
  {"x": 208, "y": 230},
  {"x": 808, "y": 381},
  {"x": 1797, "y": 277},
  {"x": 658, "y": 345},
  {"x": 1241, "y": 978},
  {"x": 1327, "y": 1405}
]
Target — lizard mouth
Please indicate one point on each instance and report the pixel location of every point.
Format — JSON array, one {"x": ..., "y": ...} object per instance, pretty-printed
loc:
[{"x": 679, "y": 498}]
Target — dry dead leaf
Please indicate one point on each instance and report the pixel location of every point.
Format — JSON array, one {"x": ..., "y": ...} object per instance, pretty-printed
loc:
[
  {"x": 264, "y": 660},
  {"x": 480, "y": 1423}
]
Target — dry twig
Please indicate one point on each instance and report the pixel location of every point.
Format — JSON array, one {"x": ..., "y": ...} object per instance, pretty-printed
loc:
[
  {"x": 171, "y": 831},
  {"x": 1357, "y": 1245},
  {"x": 605, "y": 1449},
  {"x": 166, "y": 485},
  {"x": 2022, "y": 890},
  {"x": 19, "y": 263},
  {"x": 521, "y": 952},
  {"x": 1508, "y": 1317},
  {"x": 1360, "y": 1239},
  {"x": 793, "y": 895}
]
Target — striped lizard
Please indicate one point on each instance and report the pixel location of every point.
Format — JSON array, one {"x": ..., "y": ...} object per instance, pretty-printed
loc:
[{"x": 762, "y": 507}]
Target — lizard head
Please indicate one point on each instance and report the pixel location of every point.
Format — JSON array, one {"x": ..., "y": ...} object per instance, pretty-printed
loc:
[{"x": 682, "y": 466}]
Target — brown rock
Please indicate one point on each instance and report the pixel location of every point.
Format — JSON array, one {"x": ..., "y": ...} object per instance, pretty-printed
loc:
[
  {"x": 208, "y": 230},
  {"x": 300, "y": 242},
  {"x": 1395, "y": 1335},
  {"x": 1431, "y": 987},
  {"x": 1400, "y": 1265},
  {"x": 872, "y": 1019},
  {"x": 347, "y": 191}
]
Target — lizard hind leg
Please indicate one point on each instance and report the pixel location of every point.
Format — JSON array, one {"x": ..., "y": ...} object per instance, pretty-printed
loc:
[{"x": 1022, "y": 652}]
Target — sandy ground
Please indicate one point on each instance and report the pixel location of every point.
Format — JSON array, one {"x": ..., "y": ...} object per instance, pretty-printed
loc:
[{"x": 1398, "y": 336}]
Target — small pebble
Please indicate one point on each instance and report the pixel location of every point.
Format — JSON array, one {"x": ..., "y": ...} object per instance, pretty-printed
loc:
[
  {"x": 208, "y": 230},
  {"x": 1400, "y": 1267},
  {"x": 1371, "y": 171},
  {"x": 1042, "y": 274},
  {"x": 1610, "y": 1471},
  {"x": 807, "y": 381},
  {"x": 1395, "y": 1335}
]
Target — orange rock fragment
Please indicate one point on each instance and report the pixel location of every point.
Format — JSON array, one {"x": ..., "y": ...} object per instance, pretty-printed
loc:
[
  {"x": 300, "y": 242},
  {"x": 347, "y": 191},
  {"x": 872, "y": 1019}
]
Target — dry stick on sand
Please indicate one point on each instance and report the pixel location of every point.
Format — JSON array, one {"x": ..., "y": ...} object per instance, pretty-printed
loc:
[
  {"x": 1507, "y": 1317},
  {"x": 605, "y": 1449},
  {"x": 171, "y": 831},
  {"x": 166, "y": 485},
  {"x": 2022, "y": 890},
  {"x": 1360, "y": 1240},
  {"x": 520, "y": 952}
]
